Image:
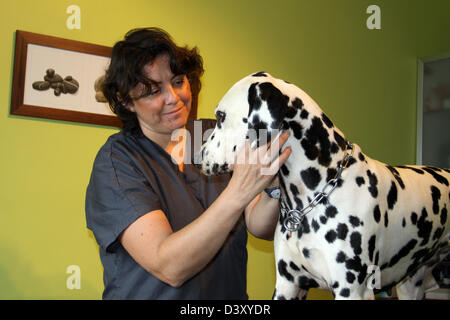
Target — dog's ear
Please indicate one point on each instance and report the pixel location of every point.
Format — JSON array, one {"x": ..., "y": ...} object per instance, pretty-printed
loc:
[{"x": 261, "y": 127}]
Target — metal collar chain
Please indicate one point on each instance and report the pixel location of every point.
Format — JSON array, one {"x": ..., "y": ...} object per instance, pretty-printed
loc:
[{"x": 294, "y": 217}]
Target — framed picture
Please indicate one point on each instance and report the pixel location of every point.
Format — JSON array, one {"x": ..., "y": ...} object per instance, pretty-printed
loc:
[
  {"x": 56, "y": 78},
  {"x": 433, "y": 111}
]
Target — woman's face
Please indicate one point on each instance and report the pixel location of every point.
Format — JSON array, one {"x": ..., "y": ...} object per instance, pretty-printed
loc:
[{"x": 166, "y": 107}]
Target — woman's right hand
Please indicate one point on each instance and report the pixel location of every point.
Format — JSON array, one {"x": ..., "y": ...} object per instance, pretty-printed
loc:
[{"x": 255, "y": 169}]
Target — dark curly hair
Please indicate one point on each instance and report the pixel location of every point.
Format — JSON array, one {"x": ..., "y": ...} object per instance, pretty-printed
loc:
[{"x": 125, "y": 71}]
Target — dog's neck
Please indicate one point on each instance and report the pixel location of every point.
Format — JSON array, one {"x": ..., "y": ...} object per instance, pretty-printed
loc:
[{"x": 318, "y": 148}]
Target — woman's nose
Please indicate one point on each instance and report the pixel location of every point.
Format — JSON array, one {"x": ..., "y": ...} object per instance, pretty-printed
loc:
[{"x": 171, "y": 95}]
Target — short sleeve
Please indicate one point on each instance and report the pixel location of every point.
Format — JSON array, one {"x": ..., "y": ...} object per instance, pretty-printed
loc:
[{"x": 117, "y": 195}]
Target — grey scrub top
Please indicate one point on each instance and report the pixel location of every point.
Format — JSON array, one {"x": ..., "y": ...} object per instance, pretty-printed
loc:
[{"x": 132, "y": 176}]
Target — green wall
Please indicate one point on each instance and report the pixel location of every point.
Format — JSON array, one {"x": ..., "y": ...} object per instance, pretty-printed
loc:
[{"x": 364, "y": 79}]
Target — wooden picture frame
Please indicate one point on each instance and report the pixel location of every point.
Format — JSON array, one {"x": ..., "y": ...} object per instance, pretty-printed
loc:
[{"x": 37, "y": 91}]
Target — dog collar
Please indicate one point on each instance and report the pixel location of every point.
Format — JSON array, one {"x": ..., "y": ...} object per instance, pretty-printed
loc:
[{"x": 295, "y": 217}]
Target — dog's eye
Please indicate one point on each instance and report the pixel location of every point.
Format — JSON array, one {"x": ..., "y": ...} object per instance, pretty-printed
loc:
[{"x": 220, "y": 116}]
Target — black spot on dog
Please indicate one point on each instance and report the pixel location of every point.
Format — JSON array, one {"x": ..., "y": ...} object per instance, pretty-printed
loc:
[
  {"x": 311, "y": 151},
  {"x": 331, "y": 236},
  {"x": 305, "y": 252},
  {"x": 416, "y": 170},
  {"x": 377, "y": 214},
  {"x": 307, "y": 283},
  {"x": 317, "y": 134},
  {"x": 290, "y": 114},
  {"x": 356, "y": 264},
  {"x": 311, "y": 177},
  {"x": 293, "y": 189},
  {"x": 350, "y": 277},
  {"x": 297, "y": 129},
  {"x": 361, "y": 157},
  {"x": 345, "y": 292},
  {"x": 327, "y": 121},
  {"x": 259, "y": 74},
  {"x": 294, "y": 266},
  {"x": 434, "y": 172},
  {"x": 304, "y": 114},
  {"x": 444, "y": 215},
  {"x": 341, "y": 257},
  {"x": 354, "y": 221},
  {"x": 244, "y": 120},
  {"x": 331, "y": 211},
  {"x": 438, "y": 233},
  {"x": 315, "y": 225},
  {"x": 424, "y": 227},
  {"x": 331, "y": 173},
  {"x": 351, "y": 161},
  {"x": 284, "y": 170},
  {"x": 254, "y": 101},
  {"x": 334, "y": 148},
  {"x": 413, "y": 218},
  {"x": 373, "y": 181},
  {"x": 403, "y": 252},
  {"x": 396, "y": 176},
  {"x": 282, "y": 270},
  {"x": 386, "y": 219},
  {"x": 403, "y": 222},
  {"x": 360, "y": 181},
  {"x": 297, "y": 103},
  {"x": 340, "y": 140},
  {"x": 342, "y": 231},
  {"x": 435, "y": 195},
  {"x": 371, "y": 247},
  {"x": 277, "y": 102},
  {"x": 355, "y": 242}
]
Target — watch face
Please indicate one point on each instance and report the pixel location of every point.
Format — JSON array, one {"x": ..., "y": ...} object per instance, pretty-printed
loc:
[{"x": 275, "y": 193}]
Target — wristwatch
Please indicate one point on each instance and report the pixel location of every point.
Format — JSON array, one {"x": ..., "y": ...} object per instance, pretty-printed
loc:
[{"x": 273, "y": 193}]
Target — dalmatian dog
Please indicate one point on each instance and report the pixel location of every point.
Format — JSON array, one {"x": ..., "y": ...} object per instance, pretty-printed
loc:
[{"x": 348, "y": 223}]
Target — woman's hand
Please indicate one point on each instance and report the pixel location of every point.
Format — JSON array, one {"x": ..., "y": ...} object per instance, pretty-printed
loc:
[{"x": 256, "y": 169}]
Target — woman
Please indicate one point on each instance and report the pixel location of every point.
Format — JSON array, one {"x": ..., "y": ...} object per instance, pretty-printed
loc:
[{"x": 166, "y": 231}]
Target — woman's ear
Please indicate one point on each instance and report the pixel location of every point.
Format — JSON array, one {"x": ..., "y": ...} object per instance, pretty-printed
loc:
[{"x": 128, "y": 106}]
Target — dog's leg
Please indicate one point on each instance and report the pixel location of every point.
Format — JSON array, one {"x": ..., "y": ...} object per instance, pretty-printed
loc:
[{"x": 286, "y": 290}]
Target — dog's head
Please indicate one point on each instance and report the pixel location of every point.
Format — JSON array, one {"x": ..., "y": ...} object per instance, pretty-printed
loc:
[{"x": 255, "y": 108}]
